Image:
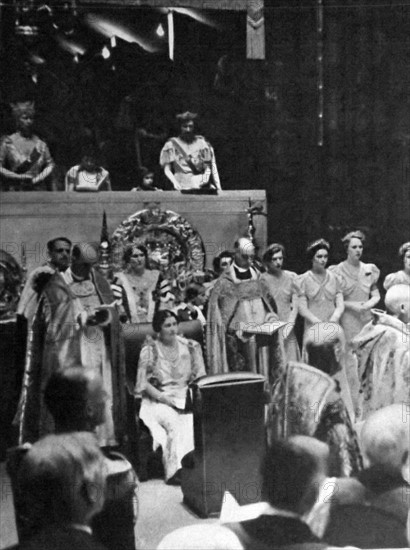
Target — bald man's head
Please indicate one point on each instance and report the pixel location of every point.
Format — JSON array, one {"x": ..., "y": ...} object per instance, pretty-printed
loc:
[
  {"x": 385, "y": 439},
  {"x": 397, "y": 302}
]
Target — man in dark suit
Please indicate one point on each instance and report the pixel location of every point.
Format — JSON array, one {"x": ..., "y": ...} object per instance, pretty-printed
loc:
[
  {"x": 292, "y": 473},
  {"x": 61, "y": 481}
]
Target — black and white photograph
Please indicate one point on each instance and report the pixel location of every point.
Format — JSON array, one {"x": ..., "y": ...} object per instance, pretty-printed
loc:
[{"x": 204, "y": 274}]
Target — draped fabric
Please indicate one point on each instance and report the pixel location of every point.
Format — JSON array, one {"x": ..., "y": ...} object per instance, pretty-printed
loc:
[
  {"x": 383, "y": 353},
  {"x": 140, "y": 304},
  {"x": 56, "y": 341},
  {"x": 234, "y": 305},
  {"x": 306, "y": 401}
]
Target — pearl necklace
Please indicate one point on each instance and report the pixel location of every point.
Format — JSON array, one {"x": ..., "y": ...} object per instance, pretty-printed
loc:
[{"x": 171, "y": 353}]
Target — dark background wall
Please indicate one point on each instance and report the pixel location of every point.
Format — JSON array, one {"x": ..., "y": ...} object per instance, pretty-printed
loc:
[{"x": 261, "y": 116}]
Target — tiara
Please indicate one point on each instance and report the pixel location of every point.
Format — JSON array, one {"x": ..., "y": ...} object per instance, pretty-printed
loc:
[
  {"x": 354, "y": 235},
  {"x": 316, "y": 243},
  {"x": 404, "y": 248}
]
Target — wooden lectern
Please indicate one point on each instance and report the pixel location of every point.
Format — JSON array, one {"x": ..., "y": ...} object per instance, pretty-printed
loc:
[{"x": 229, "y": 437}]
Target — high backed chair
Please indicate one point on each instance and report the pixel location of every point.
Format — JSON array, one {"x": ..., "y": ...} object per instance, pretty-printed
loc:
[{"x": 139, "y": 437}]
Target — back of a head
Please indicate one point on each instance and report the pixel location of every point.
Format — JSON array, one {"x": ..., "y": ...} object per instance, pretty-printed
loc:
[
  {"x": 292, "y": 471},
  {"x": 324, "y": 345},
  {"x": 66, "y": 396},
  {"x": 385, "y": 438},
  {"x": 54, "y": 474}
]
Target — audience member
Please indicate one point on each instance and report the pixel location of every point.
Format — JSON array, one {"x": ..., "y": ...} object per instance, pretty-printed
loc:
[
  {"x": 147, "y": 181},
  {"x": 76, "y": 399},
  {"x": 89, "y": 175},
  {"x": 189, "y": 160},
  {"x": 385, "y": 440},
  {"x": 25, "y": 161},
  {"x": 382, "y": 349},
  {"x": 58, "y": 251},
  {"x": 61, "y": 486},
  {"x": 292, "y": 473},
  {"x": 371, "y": 510},
  {"x": 75, "y": 324}
]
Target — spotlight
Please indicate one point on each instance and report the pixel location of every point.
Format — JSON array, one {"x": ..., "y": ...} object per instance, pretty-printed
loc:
[
  {"x": 76, "y": 59},
  {"x": 160, "y": 31},
  {"x": 113, "y": 41},
  {"x": 105, "y": 52}
]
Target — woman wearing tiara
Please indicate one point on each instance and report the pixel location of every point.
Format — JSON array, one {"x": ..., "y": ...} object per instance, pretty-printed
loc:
[
  {"x": 360, "y": 293},
  {"x": 360, "y": 290},
  {"x": 320, "y": 294},
  {"x": 401, "y": 277},
  {"x": 25, "y": 161}
]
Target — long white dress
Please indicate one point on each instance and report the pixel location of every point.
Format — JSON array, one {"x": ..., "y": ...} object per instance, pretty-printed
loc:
[{"x": 171, "y": 427}]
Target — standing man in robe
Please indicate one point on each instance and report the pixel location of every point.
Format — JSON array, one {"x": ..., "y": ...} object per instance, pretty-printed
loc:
[
  {"x": 76, "y": 323},
  {"x": 240, "y": 300},
  {"x": 189, "y": 160}
]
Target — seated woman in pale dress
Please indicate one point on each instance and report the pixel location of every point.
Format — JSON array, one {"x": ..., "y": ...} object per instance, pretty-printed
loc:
[
  {"x": 281, "y": 285},
  {"x": 320, "y": 294},
  {"x": 166, "y": 367},
  {"x": 401, "y": 277},
  {"x": 138, "y": 284},
  {"x": 88, "y": 175}
]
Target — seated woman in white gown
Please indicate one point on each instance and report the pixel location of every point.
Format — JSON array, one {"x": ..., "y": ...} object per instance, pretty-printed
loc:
[{"x": 166, "y": 366}]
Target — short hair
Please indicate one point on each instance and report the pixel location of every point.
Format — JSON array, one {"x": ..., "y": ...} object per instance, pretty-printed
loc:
[
  {"x": 353, "y": 235},
  {"x": 385, "y": 437},
  {"x": 272, "y": 250},
  {"x": 66, "y": 395},
  {"x": 51, "y": 244},
  {"x": 160, "y": 317},
  {"x": 288, "y": 473},
  {"x": 126, "y": 257},
  {"x": 405, "y": 247},
  {"x": 216, "y": 264},
  {"x": 314, "y": 246},
  {"x": 193, "y": 290},
  {"x": 53, "y": 472},
  {"x": 144, "y": 171}
]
